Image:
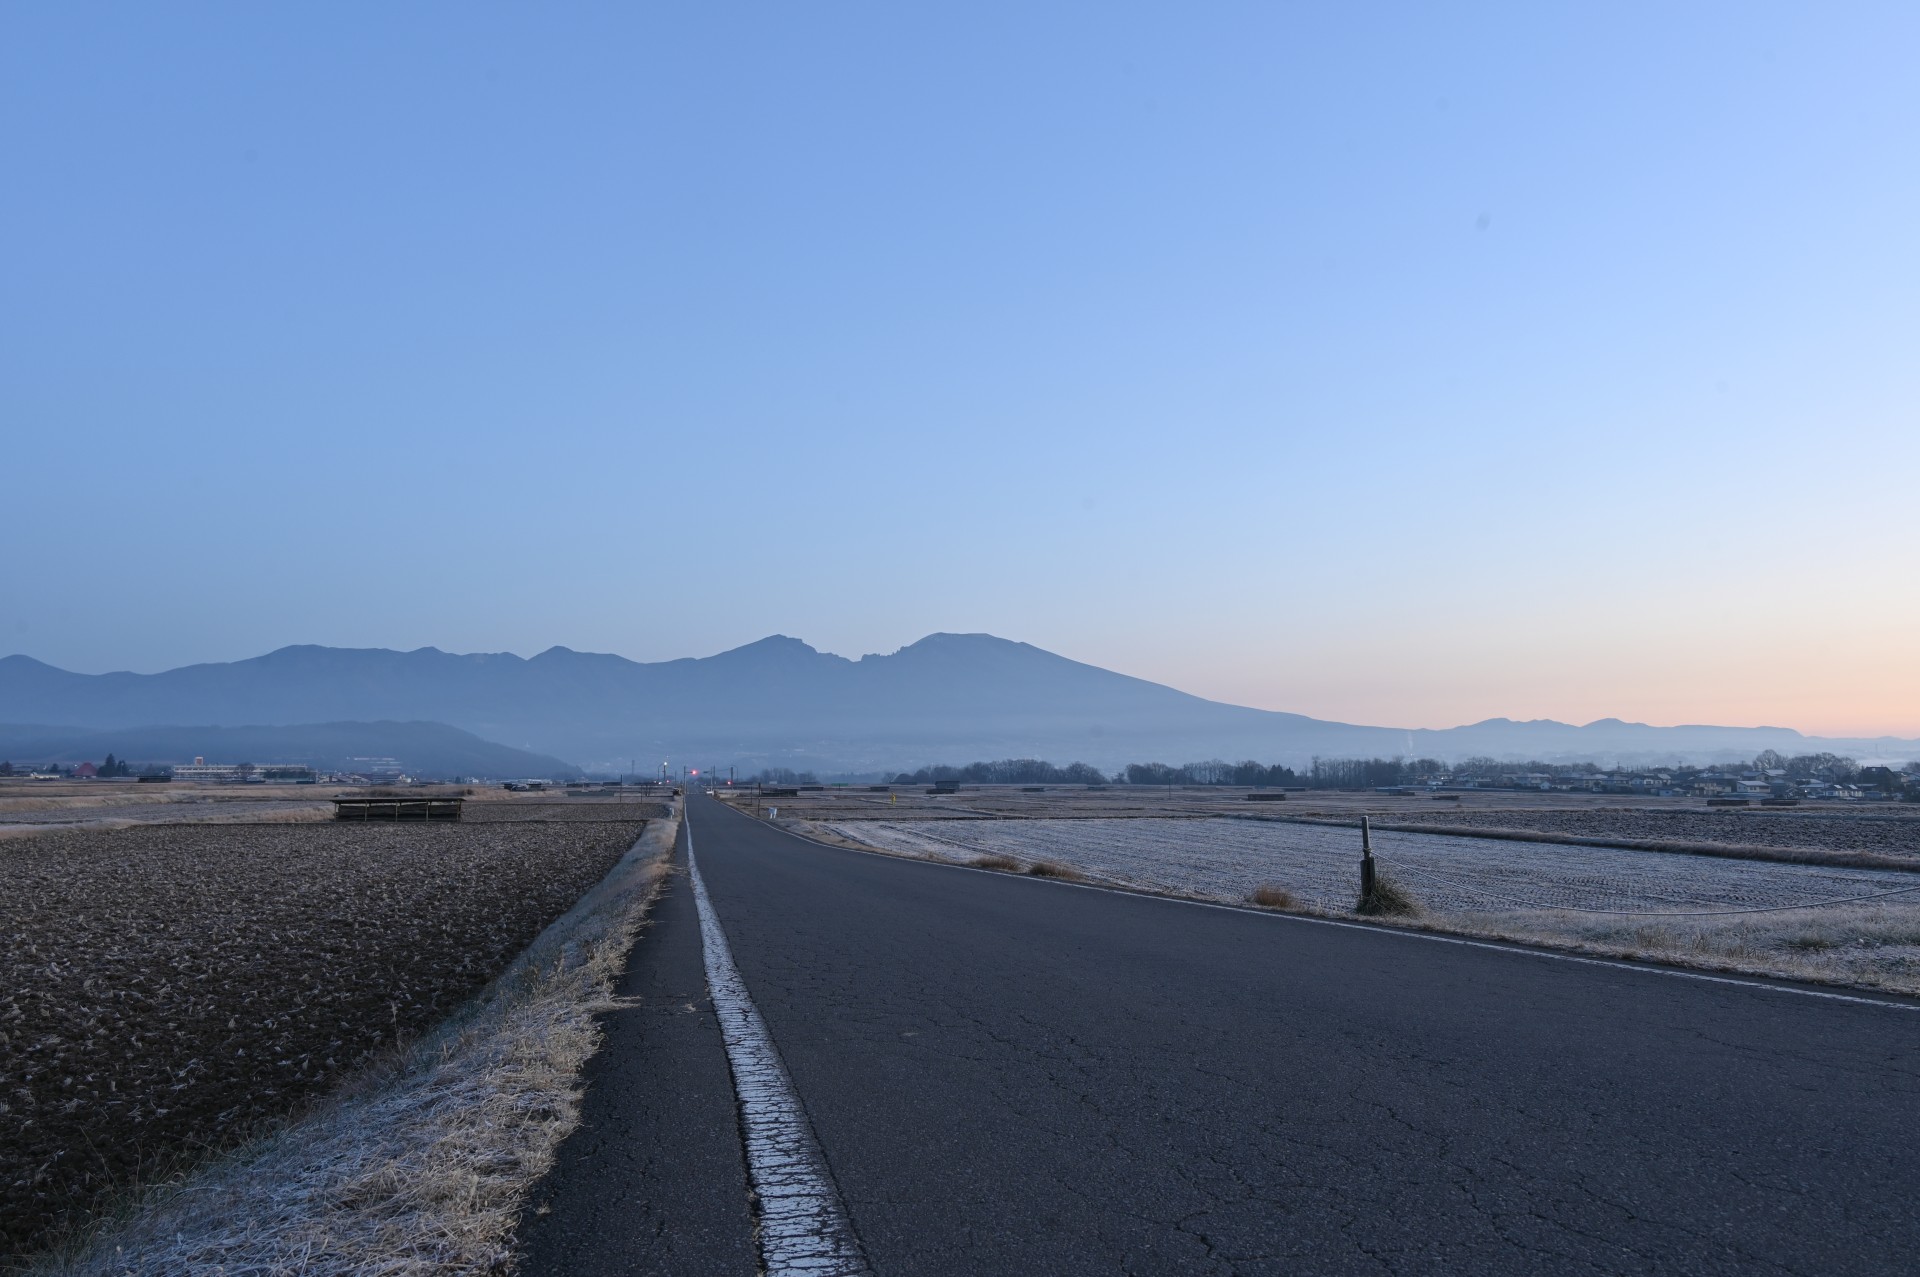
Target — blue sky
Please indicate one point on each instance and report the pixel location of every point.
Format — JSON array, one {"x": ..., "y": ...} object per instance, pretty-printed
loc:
[{"x": 1393, "y": 363}]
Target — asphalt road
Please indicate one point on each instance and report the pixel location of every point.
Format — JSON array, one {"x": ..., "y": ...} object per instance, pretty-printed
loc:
[{"x": 1008, "y": 1075}]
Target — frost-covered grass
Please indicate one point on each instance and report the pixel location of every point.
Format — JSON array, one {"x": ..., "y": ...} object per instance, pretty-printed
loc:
[
  {"x": 1880, "y": 831},
  {"x": 1600, "y": 900},
  {"x": 1872, "y": 945},
  {"x": 1321, "y": 865}
]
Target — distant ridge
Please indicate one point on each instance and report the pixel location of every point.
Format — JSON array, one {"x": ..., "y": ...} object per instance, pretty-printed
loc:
[
  {"x": 432, "y": 750},
  {"x": 946, "y": 698}
]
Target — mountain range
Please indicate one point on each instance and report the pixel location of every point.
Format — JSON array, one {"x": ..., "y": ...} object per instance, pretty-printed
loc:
[{"x": 946, "y": 698}]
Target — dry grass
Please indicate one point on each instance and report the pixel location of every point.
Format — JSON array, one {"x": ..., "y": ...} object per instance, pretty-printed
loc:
[
  {"x": 1054, "y": 869},
  {"x": 144, "y": 795},
  {"x": 128, "y": 817},
  {"x": 1388, "y": 899},
  {"x": 1006, "y": 864},
  {"x": 56, "y": 803},
  {"x": 34, "y": 831},
  {"x": 284, "y": 816},
  {"x": 84, "y": 795},
  {"x": 423, "y": 1165},
  {"x": 1868, "y": 946},
  {"x": 1271, "y": 896}
]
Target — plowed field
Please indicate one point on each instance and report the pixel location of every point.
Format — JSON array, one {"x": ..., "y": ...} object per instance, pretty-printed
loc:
[{"x": 165, "y": 989}]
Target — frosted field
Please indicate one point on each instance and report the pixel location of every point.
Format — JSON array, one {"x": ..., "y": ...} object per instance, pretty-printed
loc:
[{"x": 1227, "y": 858}]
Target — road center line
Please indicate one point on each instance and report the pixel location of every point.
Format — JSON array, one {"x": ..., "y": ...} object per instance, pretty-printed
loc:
[{"x": 803, "y": 1224}]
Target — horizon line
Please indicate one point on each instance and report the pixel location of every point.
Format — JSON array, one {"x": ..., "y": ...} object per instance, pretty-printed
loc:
[{"x": 1605, "y": 720}]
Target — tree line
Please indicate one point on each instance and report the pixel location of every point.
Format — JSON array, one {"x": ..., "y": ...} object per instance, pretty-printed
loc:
[
  {"x": 1212, "y": 772},
  {"x": 1358, "y": 773},
  {"x": 1006, "y": 771},
  {"x": 780, "y": 776},
  {"x": 1034, "y": 771},
  {"x": 112, "y": 767}
]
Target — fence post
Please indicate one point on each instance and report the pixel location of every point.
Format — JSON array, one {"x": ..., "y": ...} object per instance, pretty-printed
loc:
[{"x": 1366, "y": 858}]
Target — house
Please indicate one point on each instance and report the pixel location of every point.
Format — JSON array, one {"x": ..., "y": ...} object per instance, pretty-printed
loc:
[
  {"x": 1756, "y": 788},
  {"x": 86, "y": 771}
]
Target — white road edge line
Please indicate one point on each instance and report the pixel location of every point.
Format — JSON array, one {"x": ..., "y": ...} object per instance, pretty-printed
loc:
[
  {"x": 1888, "y": 1003},
  {"x": 803, "y": 1223}
]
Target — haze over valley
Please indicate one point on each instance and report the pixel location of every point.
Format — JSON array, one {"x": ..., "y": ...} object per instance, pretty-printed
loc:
[{"x": 945, "y": 699}]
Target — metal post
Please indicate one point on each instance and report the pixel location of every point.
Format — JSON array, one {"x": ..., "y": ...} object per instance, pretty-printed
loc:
[{"x": 1366, "y": 858}]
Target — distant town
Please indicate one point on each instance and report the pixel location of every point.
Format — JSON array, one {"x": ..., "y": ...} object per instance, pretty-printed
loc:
[
  {"x": 1769, "y": 776},
  {"x": 361, "y": 771}
]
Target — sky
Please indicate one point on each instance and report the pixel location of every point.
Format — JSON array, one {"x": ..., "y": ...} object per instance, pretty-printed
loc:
[{"x": 1390, "y": 363}]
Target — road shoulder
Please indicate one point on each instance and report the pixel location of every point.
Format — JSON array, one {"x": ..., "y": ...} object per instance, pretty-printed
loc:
[{"x": 654, "y": 1179}]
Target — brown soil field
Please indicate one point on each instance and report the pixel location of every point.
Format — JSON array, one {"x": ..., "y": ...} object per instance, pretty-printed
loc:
[{"x": 170, "y": 989}]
